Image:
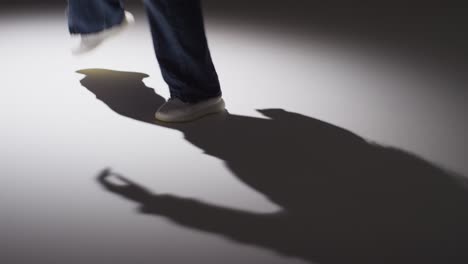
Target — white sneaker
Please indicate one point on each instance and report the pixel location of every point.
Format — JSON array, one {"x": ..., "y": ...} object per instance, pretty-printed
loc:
[
  {"x": 175, "y": 110},
  {"x": 89, "y": 42}
]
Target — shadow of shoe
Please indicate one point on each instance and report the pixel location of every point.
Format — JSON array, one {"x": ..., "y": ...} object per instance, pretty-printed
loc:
[{"x": 124, "y": 92}]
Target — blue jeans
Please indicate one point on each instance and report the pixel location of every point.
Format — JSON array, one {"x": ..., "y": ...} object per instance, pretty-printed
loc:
[{"x": 178, "y": 35}]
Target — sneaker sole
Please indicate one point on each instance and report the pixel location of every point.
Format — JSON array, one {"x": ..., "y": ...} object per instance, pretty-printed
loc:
[{"x": 219, "y": 107}]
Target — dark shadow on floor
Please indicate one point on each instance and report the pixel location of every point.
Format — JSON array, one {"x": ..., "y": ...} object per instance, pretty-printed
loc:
[{"x": 344, "y": 199}]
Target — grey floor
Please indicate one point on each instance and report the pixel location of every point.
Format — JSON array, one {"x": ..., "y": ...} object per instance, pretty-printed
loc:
[{"x": 345, "y": 142}]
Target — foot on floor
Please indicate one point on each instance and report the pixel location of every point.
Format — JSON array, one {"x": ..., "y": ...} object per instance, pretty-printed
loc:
[{"x": 175, "y": 110}]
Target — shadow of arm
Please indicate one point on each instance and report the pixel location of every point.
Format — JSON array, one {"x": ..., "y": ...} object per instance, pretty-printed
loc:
[
  {"x": 241, "y": 226},
  {"x": 237, "y": 225}
]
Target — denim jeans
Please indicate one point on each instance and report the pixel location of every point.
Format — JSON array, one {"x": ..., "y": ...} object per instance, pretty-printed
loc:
[{"x": 179, "y": 41}]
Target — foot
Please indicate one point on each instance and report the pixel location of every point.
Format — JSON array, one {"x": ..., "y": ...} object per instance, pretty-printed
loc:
[
  {"x": 175, "y": 110},
  {"x": 89, "y": 42}
]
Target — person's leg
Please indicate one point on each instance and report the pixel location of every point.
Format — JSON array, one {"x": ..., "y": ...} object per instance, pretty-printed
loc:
[
  {"x": 92, "y": 16},
  {"x": 96, "y": 21},
  {"x": 181, "y": 48}
]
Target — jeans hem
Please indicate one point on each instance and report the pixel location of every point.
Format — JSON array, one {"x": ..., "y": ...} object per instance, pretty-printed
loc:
[
  {"x": 74, "y": 31},
  {"x": 192, "y": 99}
]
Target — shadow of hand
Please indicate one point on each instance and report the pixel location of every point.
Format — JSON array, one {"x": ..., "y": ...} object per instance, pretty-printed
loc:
[{"x": 120, "y": 185}]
